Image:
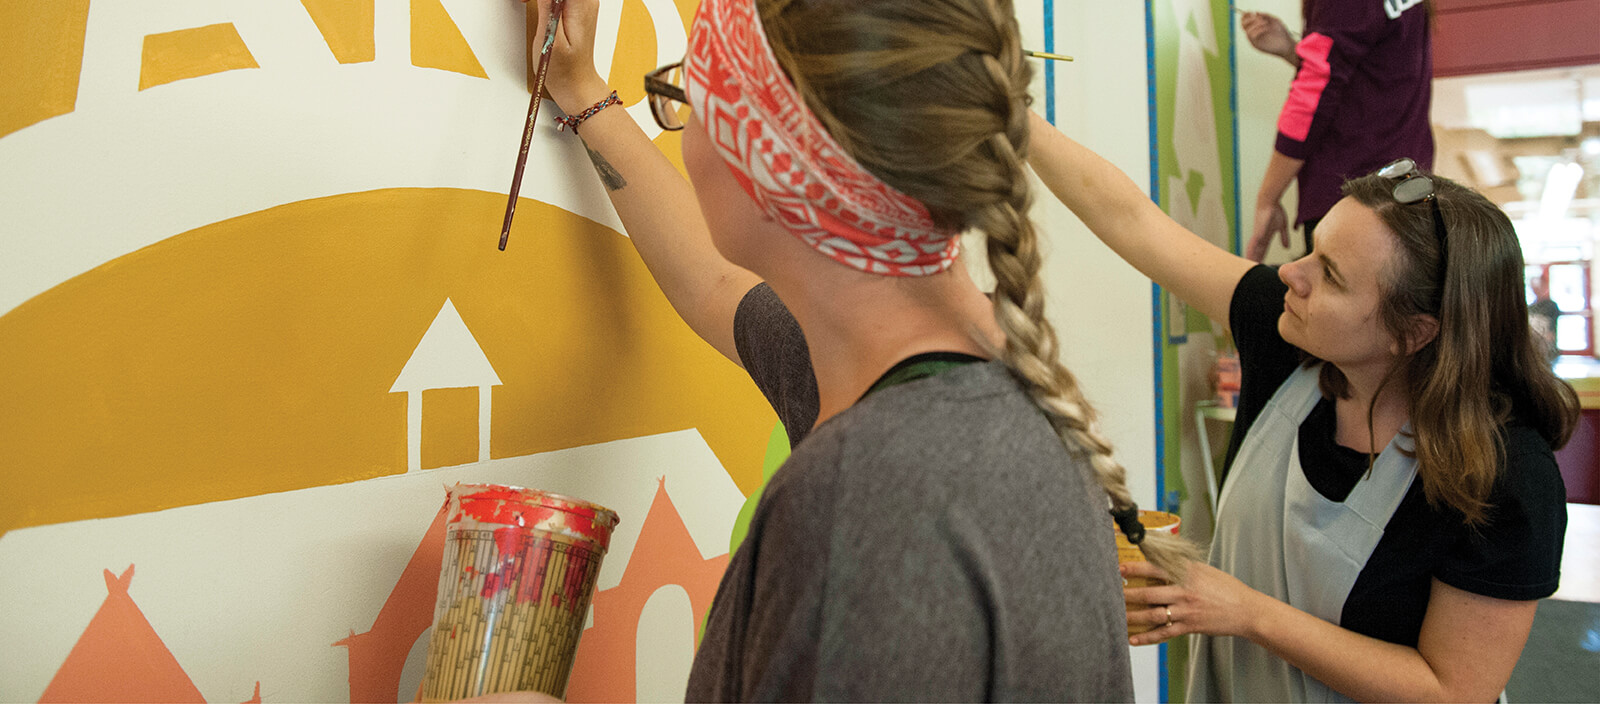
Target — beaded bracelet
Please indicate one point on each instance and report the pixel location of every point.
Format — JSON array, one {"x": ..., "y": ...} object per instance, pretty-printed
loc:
[{"x": 573, "y": 121}]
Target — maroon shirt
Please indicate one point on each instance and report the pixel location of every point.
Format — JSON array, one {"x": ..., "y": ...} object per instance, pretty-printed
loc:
[{"x": 1361, "y": 97}]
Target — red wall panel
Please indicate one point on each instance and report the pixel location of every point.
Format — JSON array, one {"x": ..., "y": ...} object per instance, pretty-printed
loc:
[{"x": 1487, "y": 36}]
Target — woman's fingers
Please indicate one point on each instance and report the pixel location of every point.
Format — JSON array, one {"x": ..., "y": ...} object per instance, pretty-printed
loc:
[
  {"x": 1143, "y": 569},
  {"x": 1154, "y": 623},
  {"x": 1156, "y": 595},
  {"x": 578, "y": 24},
  {"x": 572, "y": 79},
  {"x": 1155, "y": 635},
  {"x": 1155, "y": 616}
]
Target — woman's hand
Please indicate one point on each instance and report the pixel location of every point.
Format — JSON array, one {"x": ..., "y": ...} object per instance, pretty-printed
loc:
[
  {"x": 572, "y": 79},
  {"x": 1211, "y": 602},
  {"x": 1271, "y": 219},
  {"x": 1268, "y": 34}
]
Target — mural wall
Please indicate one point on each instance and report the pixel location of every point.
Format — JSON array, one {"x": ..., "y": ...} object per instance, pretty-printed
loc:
[
  {"x": 1195, "y": 154},
  {"x": 253, "y": 321}
]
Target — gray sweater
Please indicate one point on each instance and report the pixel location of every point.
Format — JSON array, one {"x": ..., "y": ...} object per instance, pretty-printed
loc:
[{"x": 933, "y": 542}]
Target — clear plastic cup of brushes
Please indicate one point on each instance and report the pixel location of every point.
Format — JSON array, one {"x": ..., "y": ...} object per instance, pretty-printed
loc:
[
  {"x": 518, "y": 573},
  {"x": 1153, "y": 522}
]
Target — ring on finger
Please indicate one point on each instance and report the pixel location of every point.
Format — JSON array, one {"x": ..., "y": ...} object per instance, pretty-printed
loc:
[{"x": 1169, "y": 615}]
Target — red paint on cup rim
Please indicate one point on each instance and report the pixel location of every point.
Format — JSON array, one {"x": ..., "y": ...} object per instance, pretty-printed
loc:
[{"x": 524, "y": 510}]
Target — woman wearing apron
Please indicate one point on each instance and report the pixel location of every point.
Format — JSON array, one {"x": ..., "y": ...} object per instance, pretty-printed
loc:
[{"x": 1393, "y": 511}]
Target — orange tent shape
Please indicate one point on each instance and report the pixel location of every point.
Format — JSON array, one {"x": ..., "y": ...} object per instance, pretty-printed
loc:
[{"x": 119, "y": 658}]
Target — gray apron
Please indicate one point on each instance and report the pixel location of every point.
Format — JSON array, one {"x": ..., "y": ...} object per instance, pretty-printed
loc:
[{"x": 1275, "y": 533}]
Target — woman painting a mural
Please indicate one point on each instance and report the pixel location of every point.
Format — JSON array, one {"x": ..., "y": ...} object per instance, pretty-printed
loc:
[
  {"x": 940, "y": 530},
  {"x": 1361, "y": 95},
  {"x": 1393, "y": 510}
]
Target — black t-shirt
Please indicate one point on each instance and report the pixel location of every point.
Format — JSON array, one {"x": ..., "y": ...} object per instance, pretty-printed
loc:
[{"x": 1516, "y": 555}]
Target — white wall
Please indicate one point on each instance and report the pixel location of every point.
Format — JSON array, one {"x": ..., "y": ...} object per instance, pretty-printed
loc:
[
  {"x": 1263, "y": 84},
  {"x": 1099, "y": 304}
]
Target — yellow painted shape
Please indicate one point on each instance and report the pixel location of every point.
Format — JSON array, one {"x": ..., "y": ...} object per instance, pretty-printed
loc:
[
  {"x": 347, "y": 27},
  {"x": 636, "y": 52},
  {"x": 449, "y": 427},
  {"x": 686, "y": 10},
  {"x": 41, "y": 55},
  {"x": 436, "y": 42},
  {"x": 191, "y": 53},
  {"x": 671, "y": 144},
  {"x": 256, "y": 354}
]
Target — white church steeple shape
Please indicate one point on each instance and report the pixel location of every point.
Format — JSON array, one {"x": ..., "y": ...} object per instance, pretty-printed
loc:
[{"x": 448, "y": 357}]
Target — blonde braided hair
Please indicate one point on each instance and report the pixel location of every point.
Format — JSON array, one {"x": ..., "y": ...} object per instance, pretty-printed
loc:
[{"x": 931, "y": 96}]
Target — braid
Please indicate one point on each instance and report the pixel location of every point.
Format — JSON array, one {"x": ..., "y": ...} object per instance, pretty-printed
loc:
[
  {"x": 1032, "y": 349},
  {"x": 961, "y": 155}
]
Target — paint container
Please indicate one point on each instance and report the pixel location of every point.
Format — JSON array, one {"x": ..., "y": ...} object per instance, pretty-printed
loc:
[
  {"x": 1154, "y": 522},
  {"x": 518, "y": 574}
]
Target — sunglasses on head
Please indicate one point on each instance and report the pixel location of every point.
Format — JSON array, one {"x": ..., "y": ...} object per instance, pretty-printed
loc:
[{"x": 1412, "y": 186}]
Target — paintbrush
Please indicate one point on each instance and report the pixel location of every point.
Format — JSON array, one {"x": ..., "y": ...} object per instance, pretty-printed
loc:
[
  {"x": 1046, "y": 55},
  {"x": 551, "y": 24}
]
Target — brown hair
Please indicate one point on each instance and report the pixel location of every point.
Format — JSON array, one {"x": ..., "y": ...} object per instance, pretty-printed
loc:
[
  {"x": 1484, "y": 367},
  {"x": 931, "y": 96}
]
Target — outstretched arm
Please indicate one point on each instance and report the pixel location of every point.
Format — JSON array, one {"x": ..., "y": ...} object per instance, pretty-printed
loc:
[
  {"x": 655, "y": 202},
  {"x": 1133, "y": 226}
]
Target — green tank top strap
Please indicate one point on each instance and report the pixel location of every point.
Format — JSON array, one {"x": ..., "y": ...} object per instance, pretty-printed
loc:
[{"x": 921, "y": 366}]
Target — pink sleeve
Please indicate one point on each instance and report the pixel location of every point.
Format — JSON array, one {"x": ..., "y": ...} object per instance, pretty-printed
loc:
[{"x": 1305, "y": 94}]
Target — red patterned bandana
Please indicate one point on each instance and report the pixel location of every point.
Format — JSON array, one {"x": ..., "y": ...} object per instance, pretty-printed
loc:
[{"x": 789, "y": 163}]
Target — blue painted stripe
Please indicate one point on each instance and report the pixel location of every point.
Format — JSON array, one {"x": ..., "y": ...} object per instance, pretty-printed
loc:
[
  {"x": 1233, "y": 106},
  {"x": 1157, "y": 330},
  {"x": 1150, "y": 83},
  {"x": 1050, "y": 66},
  {"x": 1157, "y": 336}
]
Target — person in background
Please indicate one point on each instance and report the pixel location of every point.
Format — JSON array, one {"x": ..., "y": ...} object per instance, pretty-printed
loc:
[
  {"x": 1542, "y": 315},
  {"x": 1393, "y": 510},
  {"x": 940, "y": 531},
  {"x": 1360, "y": 98}
]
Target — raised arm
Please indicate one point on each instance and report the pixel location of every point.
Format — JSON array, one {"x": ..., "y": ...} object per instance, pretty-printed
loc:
[
  {"x": 655, "y": 202},
  {"x": 1133, "y": 226}
]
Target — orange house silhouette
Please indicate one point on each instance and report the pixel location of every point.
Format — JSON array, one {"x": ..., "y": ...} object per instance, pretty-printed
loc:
[
  {"x": 665, "y": 555},
  {"x": 378, "y": 655}
]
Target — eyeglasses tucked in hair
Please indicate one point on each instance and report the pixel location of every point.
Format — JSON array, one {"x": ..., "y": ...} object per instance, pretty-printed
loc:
[
  {"x": 1411, "y": 186},
  {"x": 664, "y": 88}
]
